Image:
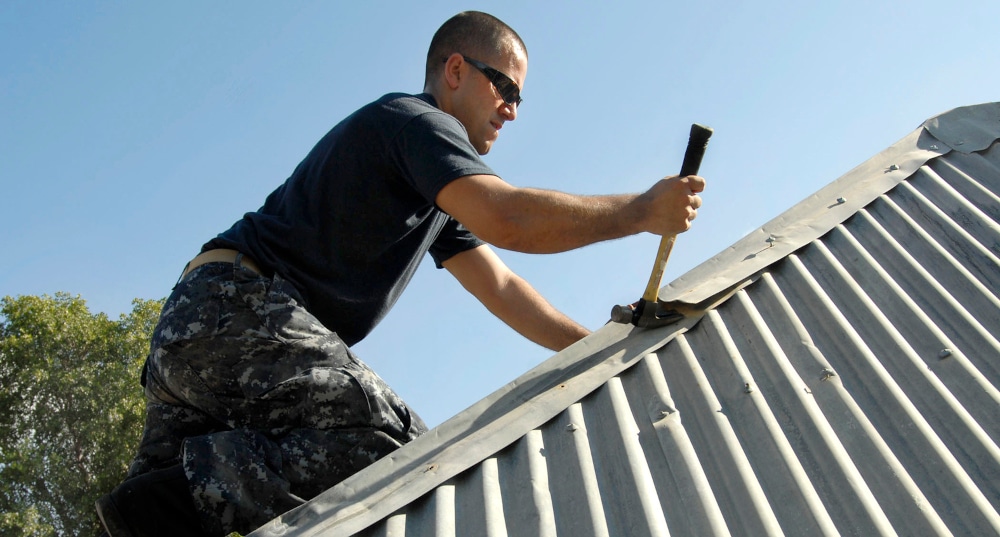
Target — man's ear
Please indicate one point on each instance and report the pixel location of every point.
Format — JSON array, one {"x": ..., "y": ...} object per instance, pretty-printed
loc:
[{"x": 453, "y": 70}]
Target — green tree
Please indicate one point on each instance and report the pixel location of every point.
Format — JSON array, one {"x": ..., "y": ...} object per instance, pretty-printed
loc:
[{"x": 71, "y": 409}]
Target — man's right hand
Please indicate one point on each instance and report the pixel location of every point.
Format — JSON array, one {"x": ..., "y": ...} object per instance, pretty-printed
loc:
[{"x": 671, "y": 204}]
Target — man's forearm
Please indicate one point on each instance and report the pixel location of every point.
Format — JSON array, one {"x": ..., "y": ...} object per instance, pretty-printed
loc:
[
  {"x": 544, "y": 221},
  {"x": 520, "y": 306},
  {"x": 513, "y": 300}
]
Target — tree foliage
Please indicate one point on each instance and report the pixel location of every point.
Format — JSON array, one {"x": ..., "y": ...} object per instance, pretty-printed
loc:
[{"x": 71, "y": 409}]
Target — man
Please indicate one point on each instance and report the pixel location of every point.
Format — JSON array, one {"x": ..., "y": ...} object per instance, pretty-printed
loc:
[{"x": 254, "y": 399}]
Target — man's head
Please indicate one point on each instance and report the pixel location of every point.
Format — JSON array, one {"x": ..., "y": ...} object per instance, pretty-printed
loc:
[{"x": 475, "y": 65}]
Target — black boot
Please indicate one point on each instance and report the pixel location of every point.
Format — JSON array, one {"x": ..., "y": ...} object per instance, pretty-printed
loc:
[{"x": 154, "y": 504}]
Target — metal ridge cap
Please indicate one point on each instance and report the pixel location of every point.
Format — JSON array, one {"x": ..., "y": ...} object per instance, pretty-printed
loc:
[{"x": 967, "y": 129}]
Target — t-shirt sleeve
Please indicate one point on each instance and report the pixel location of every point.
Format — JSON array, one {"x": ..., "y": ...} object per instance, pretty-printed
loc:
[
  {"x": 453, "y": 240},
  {"x": 432, "y": 150}
]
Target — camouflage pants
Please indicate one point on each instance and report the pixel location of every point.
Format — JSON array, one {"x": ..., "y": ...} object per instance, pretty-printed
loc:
[{"x": 262, "y": 405}]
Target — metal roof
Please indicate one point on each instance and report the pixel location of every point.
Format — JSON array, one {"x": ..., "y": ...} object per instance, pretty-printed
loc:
[{"x": 837, "y": 373}]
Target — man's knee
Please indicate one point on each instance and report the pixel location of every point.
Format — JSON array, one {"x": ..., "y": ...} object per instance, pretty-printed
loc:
[{"x": 153, "y": 504}]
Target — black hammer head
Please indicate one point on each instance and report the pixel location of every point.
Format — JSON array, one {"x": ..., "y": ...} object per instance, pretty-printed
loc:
[{"x": 644, "y": 315}]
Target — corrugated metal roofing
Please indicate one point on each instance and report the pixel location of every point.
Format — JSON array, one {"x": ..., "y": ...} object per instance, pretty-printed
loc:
[{"x": 841, "y": 378}]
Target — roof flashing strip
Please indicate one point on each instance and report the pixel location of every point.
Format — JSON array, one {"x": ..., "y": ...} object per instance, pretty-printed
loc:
[{"x": 967, "y": 129}]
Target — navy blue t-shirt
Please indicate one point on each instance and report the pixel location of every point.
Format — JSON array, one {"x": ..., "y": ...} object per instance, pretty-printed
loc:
[{"x": 352, "y": 223}]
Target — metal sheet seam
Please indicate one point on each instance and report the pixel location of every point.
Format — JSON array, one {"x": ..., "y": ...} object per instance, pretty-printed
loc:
[
  {"x": 948, "y": 263},
  {"x": 934, "y": 295},
  {"x": 964, "y": 206},
  {"x": 541, "y": 495},
  {"x": 899, "y": 354},
  {"x": 882, "y": 400},
  {"x": 944, "y": 221},
  {"x": 969, "y": 175},
  {"x": 648, "y": 499},
  {"x": 492, "y": 498},
  {"x": 818, "y": 311},
  {"x": 910, "y": 401},
  {"x": 701, "y": 512},
  {"x": 757, "y": 423},
  {"x": 742, "y": 495},
  {"x": 443, "y": 498},
  {"x": 577, "y": 429},
  {"x": 946, "y": 201},
  {"x": 839, "y": 412},
  {"x": 789, "y": 393},
  {"x": 578, "y": 432}
]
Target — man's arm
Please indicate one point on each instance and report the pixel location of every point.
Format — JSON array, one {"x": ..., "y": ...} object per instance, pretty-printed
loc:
[
  {"x": 543, "y": 221},
  {"x": 512, "y": 299}
]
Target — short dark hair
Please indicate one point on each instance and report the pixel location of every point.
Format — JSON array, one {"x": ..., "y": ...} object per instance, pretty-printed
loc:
[{"x": 479, "y": 35}]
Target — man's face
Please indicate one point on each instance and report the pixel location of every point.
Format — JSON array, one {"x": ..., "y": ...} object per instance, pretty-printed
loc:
[{"x": 479, "y": 105}]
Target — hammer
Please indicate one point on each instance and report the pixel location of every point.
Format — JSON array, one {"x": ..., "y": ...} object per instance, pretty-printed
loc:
[{"x": 645, "y": 313}]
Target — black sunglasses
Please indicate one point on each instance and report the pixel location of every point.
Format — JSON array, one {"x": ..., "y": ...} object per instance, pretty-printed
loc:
[{"x": 507, "y": 88}]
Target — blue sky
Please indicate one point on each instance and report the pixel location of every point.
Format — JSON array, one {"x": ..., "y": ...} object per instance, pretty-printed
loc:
[{"x": 132, "y": 132}]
